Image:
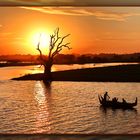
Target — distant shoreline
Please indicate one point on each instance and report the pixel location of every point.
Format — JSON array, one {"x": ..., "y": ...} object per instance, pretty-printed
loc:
[
  {"x": 123, "y": 73},
  {"x": 31, "y": 64},
  {"x": 16, "y": 64}
]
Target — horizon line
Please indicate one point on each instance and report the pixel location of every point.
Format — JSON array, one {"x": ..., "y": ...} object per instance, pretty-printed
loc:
[{"x": 76, "y": 54}]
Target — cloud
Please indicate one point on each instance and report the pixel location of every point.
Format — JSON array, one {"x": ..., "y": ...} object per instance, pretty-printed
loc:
[
  {"x": 84, "y": 11},
  {"x": 70, "y": 2}
]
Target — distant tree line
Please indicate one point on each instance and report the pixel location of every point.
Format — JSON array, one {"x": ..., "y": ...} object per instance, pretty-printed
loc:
[{"x": 74, "y": 59}]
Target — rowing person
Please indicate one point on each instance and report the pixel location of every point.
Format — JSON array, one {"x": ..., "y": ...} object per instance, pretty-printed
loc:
[{"x": 106, "y": 97}]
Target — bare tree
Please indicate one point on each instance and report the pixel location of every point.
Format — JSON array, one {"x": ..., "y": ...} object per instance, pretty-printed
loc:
[{"x": 55, "y": 47}]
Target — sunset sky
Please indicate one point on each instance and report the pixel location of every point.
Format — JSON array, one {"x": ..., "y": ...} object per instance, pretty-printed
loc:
[{"x": 92, "y": 29}]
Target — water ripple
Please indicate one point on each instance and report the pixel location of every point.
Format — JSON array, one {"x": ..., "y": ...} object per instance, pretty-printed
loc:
[{"x": 68, "y": 108}]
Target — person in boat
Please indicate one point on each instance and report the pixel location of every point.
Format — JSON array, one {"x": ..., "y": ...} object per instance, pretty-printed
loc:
[
  {"x": 106, "y": 97},
  {"x": 114, "y": 99},
  {"x": 124, "y": 101}
]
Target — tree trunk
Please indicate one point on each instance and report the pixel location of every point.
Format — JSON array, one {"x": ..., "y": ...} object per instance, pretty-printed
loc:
[{"x": 47, "y": 72}]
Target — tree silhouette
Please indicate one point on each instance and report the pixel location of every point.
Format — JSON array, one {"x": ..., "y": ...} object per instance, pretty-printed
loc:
[{"x": 56, "y": 45}]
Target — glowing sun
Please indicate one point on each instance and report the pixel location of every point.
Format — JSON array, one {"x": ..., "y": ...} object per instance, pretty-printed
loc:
[{"x": 41, "y": 37}]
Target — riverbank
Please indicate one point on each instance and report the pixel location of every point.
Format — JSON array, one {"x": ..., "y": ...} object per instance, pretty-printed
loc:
[{"x": 124, "y": 73}]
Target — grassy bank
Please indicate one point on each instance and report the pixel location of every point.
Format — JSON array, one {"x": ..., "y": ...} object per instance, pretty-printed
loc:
[{"x": 124, "y": 73}]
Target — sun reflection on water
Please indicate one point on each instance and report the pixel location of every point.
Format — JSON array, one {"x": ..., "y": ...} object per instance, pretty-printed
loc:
[
  {"x": 40, "y": 93},
  {"x": 43, "y": 114}
]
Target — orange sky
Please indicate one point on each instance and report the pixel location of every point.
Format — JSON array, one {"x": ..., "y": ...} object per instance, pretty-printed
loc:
[{"x": 92, "y": 29}]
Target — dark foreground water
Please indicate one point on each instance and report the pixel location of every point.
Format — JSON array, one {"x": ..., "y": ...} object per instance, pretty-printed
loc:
[{"x": 66, "y": 108}]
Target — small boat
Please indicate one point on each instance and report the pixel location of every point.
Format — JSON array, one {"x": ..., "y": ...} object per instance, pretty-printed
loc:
[{"x": 116, "y": 104}]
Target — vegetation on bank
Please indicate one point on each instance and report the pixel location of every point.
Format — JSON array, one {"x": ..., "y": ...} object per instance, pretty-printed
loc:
[
  {"x": 73, "y": 58},
  {"x": 123, "y": 73}
]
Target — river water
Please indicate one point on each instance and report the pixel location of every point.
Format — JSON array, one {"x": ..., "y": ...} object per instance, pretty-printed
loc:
[{"x": 64, "y": 107}]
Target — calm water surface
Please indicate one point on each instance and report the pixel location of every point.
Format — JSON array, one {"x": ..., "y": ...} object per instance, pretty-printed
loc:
[{"x": 65, "y": 107}]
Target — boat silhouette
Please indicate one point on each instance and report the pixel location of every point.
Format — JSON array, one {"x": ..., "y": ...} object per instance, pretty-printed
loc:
[{"x": 116, "y": 104}]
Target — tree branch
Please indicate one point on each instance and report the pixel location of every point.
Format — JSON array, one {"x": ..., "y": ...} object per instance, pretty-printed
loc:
[
  {"x": 66, "y": 45},
  {"x": 51, "y": 45},
  {"x": 54, "y": 38},
  {"x": 57, "y": 36},
  {"x": 62, "y": 40},
  {"x": 59, "y": 47},
  {"x": 40, "y": 52},
  {"x": 56, "y": 45}
]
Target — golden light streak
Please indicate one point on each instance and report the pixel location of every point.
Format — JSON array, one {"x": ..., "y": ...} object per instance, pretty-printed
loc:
[{"x": 43, "y": 113}]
